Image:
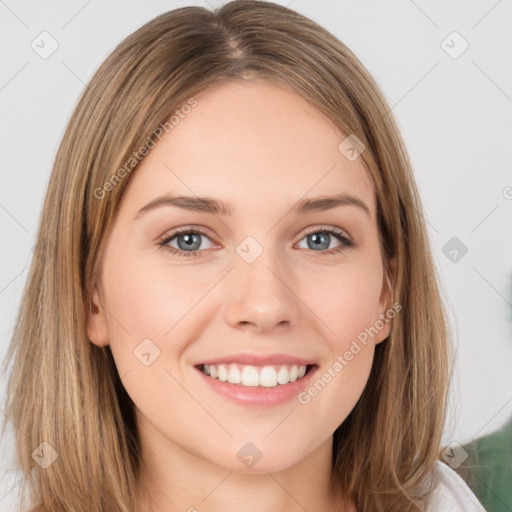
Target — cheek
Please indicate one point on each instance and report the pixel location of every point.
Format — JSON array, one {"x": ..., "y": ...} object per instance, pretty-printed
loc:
[
  {"x": 147, "y": 300},
  {"x": 152, "y": 301},
  {"x": 349, "y": 313},
  {"x": 347, "y": 302},
  {"x": 337, "y": 388},
  {"x": 150, "y": 309}
]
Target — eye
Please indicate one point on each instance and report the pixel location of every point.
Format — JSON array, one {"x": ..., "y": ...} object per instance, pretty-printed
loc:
[
  {"x": 321, "y": 237},
  {"x": 189, "y": 241}
]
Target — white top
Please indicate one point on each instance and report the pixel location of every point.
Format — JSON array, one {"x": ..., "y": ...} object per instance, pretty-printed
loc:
[{"x": 453, "y": 494}]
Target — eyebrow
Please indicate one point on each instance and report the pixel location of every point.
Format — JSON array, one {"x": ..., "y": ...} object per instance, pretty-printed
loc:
[{"x": 219, "y": 207}]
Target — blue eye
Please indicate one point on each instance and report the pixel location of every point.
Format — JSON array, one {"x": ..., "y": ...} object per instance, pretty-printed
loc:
[
  {"x": 320, "y": 238},
  {"x": 189, "y": 241}
]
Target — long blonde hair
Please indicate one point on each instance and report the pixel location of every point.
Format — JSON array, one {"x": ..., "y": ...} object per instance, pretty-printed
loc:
[{"x": 65, "y": 391}]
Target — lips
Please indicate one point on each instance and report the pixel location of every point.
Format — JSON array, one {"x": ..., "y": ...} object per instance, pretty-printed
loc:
[
  {"x": 261, "y": 387},
  {"x": 257, "y": 360}
]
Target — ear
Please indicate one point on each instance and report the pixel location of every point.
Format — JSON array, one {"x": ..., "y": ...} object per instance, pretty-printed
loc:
[
  {"x": 386, "y": 301},
  {"x": 97, "y": 325}
]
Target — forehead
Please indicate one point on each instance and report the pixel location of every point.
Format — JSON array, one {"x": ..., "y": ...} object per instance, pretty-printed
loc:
[{"x": 252, "y": 144}]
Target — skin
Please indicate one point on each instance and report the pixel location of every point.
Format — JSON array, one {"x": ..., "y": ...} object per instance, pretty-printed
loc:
[{"x": 262, "y": 148}]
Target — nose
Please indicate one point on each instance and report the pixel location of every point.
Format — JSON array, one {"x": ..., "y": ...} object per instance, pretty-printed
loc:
[{"x": 261, "y": 295}]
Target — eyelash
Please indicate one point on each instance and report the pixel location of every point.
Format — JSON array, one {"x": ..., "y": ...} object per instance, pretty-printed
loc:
[{"x": 345, "y": 242}]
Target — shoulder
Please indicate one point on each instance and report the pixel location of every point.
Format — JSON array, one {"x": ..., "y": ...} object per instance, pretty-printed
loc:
[{"x": 452, "y": 494}]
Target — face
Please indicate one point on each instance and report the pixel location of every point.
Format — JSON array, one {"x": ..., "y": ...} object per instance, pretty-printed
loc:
[{"x": 252, "y": 292}]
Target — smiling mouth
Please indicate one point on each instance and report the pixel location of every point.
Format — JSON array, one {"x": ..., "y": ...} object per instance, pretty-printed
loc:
[{"x": 256, "y": 376}]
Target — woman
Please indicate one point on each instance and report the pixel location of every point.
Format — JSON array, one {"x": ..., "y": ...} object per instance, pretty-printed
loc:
[{"x": 235, "y": 305}]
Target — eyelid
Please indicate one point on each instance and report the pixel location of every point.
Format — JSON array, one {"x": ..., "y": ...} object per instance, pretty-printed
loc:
[
  {"x": 187, "y": 229},
  {"x": 327, "y": 227}
]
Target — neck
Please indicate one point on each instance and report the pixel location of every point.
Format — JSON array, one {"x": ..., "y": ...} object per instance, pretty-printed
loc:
[{"x": 173, "y": 479}]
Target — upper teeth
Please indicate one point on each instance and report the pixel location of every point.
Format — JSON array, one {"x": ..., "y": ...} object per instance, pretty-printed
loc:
[{"x": 267, "y": 376}]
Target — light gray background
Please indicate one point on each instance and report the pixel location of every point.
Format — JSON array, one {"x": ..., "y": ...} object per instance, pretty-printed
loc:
[{"x": 454, "y": 113}]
